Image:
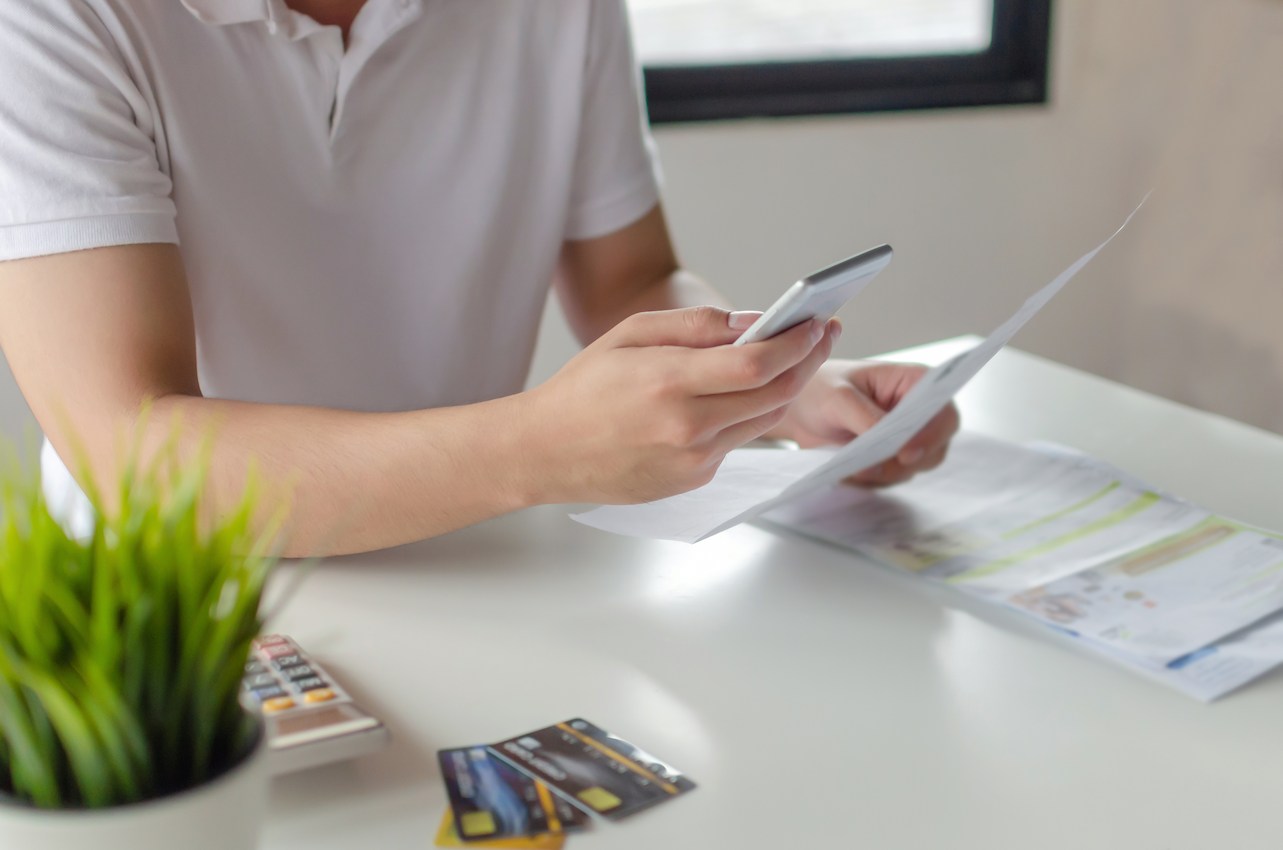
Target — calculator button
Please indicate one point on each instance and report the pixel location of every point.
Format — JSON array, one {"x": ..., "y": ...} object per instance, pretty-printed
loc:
[
  {"x": 278, "y": 704},
  {"x": 267, "y": 640},
  {"x": 319, "y": 695},
  {"x": 291, "y": 660},
  {"x": 309, "y": 684},
  {"x": 253, "y": 668},
  {"x": 278, "y": 649},
  {"x": 303, "y": 671},
  {"x": 270, "y": 692},
  {"x": 262, "y": 680}
]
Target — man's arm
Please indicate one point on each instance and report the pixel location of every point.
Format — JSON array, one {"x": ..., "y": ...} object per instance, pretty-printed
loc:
[
  {"x": 646, "y": 411},
  {"x": 92, "y": 336},
  {"x": 602, "y": 281}
]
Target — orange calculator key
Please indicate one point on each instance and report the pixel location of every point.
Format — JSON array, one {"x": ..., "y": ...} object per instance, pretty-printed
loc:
[{"x": 319, "y": 695}]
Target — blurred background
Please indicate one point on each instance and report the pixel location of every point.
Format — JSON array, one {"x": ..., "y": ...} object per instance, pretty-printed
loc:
[
  {"x": 984, "y": 203},
  {"x": 991, "y": 142}
]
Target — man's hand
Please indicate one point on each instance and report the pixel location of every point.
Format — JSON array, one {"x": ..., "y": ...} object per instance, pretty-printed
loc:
[
  {"x": 651, "y": 408},
  {"x": 847, "y": 397}
]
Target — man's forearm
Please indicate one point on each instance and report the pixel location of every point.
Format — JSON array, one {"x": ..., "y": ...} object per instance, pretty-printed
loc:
[
  {"x": 603, "y": 281},
  {"x": 645, "y": 412},
  {"x": 679, "y": 289},
  {"x": 357, "y": 481},
  {"x": 673, "y": 291}
]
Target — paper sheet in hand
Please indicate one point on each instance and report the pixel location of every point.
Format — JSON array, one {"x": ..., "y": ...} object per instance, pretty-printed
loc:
[{"x": 751, "y": 482}]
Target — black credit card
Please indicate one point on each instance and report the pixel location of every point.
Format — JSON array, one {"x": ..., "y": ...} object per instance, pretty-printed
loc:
[
  {"x": 491, "y": 800},
  {"x": 593, "y": 769}
]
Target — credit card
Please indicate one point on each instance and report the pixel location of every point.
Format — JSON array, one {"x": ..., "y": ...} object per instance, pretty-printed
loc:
[
  {"x": 448, "y": 836},
  {"x": 491, "y": 800},
  {"x": 595, "y": 770}
]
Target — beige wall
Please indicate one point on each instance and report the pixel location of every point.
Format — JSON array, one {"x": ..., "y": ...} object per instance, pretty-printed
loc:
[{"x": 1181, "y": 96}]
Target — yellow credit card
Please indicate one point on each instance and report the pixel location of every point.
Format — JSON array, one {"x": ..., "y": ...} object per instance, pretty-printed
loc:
[{"x": 448, "y": 836}]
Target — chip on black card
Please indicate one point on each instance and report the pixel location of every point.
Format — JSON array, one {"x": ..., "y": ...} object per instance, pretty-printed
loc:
[
  {"x": 593, "y": 769},
  {"x": 492, "y": 800}
]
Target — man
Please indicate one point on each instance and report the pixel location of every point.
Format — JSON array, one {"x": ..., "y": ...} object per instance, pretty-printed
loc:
[{"x": 371, "y": 198}]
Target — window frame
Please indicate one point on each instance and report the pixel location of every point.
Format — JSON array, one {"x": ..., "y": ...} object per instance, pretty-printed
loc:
[{"x": 1014, "y": 69}]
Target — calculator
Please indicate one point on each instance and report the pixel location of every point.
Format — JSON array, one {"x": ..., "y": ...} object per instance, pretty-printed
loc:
[{"x": 310, "y": 720}]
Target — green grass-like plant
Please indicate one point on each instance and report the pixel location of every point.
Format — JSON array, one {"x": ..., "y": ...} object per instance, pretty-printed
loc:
[{"x": 121, "y": 656}]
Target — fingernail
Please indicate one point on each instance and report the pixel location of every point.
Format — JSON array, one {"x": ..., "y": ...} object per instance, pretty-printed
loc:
[
  {"x": 817, "y": 331},
  {"x": 837, "y": 333},
  {"x": 908, "y": 457},
  {"x": 742, "y": 320}
]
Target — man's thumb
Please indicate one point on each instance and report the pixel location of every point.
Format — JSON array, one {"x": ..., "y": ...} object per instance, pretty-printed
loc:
[
  {"x": 691, "y": 327},
  {"x": 858, "y": 413}
]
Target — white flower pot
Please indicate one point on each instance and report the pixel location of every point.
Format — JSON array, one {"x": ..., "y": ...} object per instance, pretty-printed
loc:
[{"x": 224, "y": 814}]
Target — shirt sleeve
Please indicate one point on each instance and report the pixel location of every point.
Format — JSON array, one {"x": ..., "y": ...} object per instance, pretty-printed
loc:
[
  {"x": 617, "y": 177},
  {"x": 78, "y": 157}
]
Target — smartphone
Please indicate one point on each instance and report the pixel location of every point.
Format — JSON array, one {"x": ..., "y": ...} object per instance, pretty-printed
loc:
[{"x": 819, "y": 295}]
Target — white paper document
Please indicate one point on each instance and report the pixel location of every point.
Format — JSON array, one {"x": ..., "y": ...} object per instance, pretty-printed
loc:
[
  {"x": 1216, "y": 670},
  {"x": 1162, "y": 602},
  {"x": 996, "y": 518},
  {"x": 1146, "y": 579},
  {"x": 751, "y": 482}
]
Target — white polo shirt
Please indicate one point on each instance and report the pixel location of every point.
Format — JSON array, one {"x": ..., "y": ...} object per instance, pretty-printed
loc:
[{"x": 373, "y": 228}]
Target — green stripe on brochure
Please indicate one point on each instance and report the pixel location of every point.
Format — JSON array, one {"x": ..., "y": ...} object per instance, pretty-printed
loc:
[
  {"x": 1146, "y": 500},
  {"x": 1077, "y": 506}
]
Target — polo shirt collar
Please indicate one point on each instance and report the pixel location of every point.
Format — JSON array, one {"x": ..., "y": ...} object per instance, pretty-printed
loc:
[
  {"x": 280, "y": 19},
  {"x": 224, "y": 12}
]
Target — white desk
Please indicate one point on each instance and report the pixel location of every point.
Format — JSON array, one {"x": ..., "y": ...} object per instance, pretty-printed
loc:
[{"x": 818, "y": 700}]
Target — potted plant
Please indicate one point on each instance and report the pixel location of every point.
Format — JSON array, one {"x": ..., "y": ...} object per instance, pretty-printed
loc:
[{"x": 121, "y": 658}]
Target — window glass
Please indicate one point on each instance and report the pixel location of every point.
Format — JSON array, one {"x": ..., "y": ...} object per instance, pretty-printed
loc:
[{"x": 719, "y": 32}]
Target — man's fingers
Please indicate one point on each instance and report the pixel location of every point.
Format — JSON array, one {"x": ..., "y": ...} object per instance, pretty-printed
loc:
[
  {"x": 710, "y": 365},
  {"x": 885, "y": 474},
  {"x": 887, "y": 383},
  {"x": 892, "y": 472},
  {"x": 934, "y": 435},
  {"x": 692, "y": 327},
  {"x": 726, "y": 408},
  {"x": 933, "y": 460},
  {"x": 855, "y": 411},
  {"x": 706, "y": 374},
  {"x": 750, "y": 429},
  {"x": 736, "y": 368}
]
